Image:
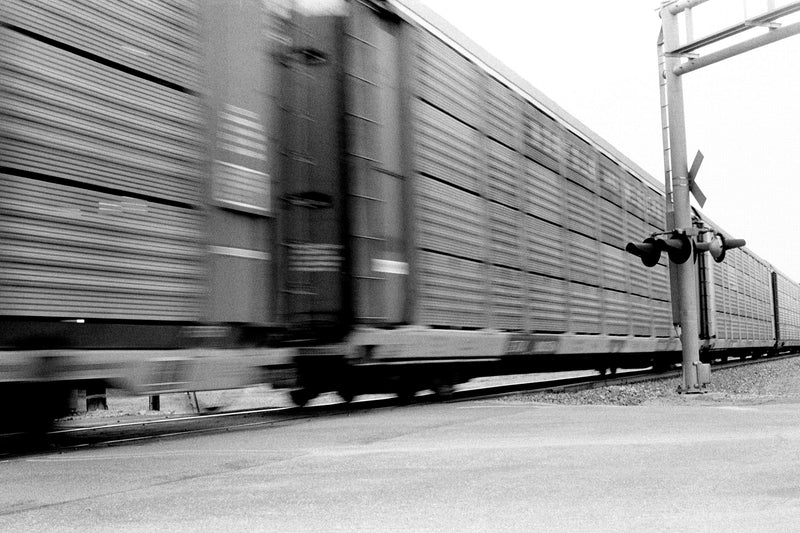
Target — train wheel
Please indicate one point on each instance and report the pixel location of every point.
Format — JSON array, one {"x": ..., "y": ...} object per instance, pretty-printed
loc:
[
  {"x": 302, "y": 396},
  {"x": 35, "y": 407},
  {"x": 347, "y": 394},
  {"x": 406, "y": 394},
  {"x": 661, "y": 365},
  {"x": 443, "y": 390}
]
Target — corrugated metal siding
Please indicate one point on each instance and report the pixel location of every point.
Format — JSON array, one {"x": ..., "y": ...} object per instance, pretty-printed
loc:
[
  {"x": 581, "y": 215},
  {"x": 451, "y": 291},
  {"x": 616, "y": 313},
  {"x": 504, "y": 182},
  {"x": 104, "y": 140},
  {"x": 69, "y": 252},
  {"x": 654, "y": 208},
  {"x": 543, "y": 193},
  {"x": 639, "y": 275},
  {"x": 610, "y": 177},
  {"x": 583, "y": 256},
  {"x": 446, "y": 148},
  {"x": 156, "y": 37},
  {"x": 633, "y": 194},
  {"x": 662, "y": 320},
  {"x": 652, "y": 228},
  {"x": 767, "y": 308},
  {"x": 585, "y": 308},
  {"x": 542, "y": 139},
  {"x": 558, "y": 214},
  {"x": 614, "y": 267},
  {"x": 723, "y": 301},
  {"x": 659, "y": 281},
  {"x": 503, "y": 113},
  {"x": 742, "y": 296},
  {"x": 612, "y": 218},
  {"x": 545, "y": 254},
  {"x": 447, "y": 79},
  {"x": 633, "y": 229},
  {"x": 641, "y": 315},
  {"x": 580, "y": 162},
  {"x": 547, "y": 309},
  {"x": 508, "y": 302},
  {"x": 504, "y": 233},
  {"x": 66, "y": 116},
  {"x": 788, "y": 308},
  {"x": 660, "y": 304},
  {"x": 449, "y": 219}
]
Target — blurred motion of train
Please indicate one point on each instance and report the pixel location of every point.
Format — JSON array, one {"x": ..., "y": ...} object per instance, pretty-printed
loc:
[{"x": 322, "y": 195}]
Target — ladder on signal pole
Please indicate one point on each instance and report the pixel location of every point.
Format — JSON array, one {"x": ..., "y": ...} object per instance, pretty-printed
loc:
[{"x": 669, "y": 209}]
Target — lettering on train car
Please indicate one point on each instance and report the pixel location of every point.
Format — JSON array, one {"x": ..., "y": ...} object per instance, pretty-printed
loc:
[
  {"x": 167, "y": 374},
  {"x": 529, "y": 346},
  {"x": 616, "y": 345}
]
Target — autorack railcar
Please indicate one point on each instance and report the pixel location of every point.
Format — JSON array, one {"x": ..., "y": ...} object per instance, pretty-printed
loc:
[
  {"x": 344, "y": 195},
  {"x": 144, "y": 226},
  {"x": 486, "y": 226}
]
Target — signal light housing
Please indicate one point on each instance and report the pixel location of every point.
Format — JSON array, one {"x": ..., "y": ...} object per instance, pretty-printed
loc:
[
  {"x": 679, "y": 248},
  {"x": 718, "y": 245},
  {"x": 648, "y": 251}
]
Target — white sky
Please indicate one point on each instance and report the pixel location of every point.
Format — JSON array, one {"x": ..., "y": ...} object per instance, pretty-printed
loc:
[{"x": 598, "y": 61}]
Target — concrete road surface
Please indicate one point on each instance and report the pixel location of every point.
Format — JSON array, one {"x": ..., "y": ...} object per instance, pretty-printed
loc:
[{"x": 488, "y": 466}]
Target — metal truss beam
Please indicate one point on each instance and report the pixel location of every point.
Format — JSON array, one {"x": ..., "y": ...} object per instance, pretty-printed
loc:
[
  {"x": 761, "y": 20},
  {"x": 739, "y": 48}
]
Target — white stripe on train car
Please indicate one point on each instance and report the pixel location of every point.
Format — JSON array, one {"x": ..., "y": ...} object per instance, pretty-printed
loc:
[{"x": 386, "y": 266}]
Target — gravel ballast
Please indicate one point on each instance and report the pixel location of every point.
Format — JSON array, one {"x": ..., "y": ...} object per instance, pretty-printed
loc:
[{"x": 764, "y": 382}]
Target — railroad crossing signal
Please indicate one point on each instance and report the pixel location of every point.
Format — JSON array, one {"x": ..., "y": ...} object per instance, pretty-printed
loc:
[
  {"x": 680, "y": 247},
  {"x": 717, "y": 246},
  {"x": 648, "y": 251},
  {"x": 679, "y": 181},
  {"x": 693, "y": 187}
]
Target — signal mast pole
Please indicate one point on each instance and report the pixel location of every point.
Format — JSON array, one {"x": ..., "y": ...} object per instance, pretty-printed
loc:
[
  {"x": 680, "y": 218},
  {"x": 679, "y": 180}
]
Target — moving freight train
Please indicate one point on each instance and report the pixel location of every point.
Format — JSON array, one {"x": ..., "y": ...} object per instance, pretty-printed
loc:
[{"x": 339, "y": 195}]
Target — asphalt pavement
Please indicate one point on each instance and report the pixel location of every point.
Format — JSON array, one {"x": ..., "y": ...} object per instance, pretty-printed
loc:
[{"x": 479, "y": 466}]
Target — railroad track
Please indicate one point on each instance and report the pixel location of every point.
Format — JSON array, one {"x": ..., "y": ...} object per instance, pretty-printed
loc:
[
  {"x": 589, "y": 382},
  {"x": 122, "y": 433}
]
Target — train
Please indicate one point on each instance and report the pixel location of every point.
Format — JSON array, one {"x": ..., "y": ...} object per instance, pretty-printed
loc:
[{"x": 347, "y": 196}]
